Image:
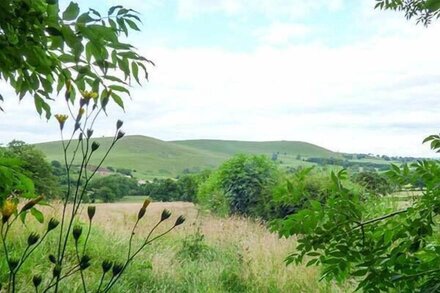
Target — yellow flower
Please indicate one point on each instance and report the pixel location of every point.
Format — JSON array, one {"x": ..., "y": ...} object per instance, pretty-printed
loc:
[
  {"x": 61, "y": 119},
  {"x": 9, "y": 207},
  {"x": 89, "y": 95}
]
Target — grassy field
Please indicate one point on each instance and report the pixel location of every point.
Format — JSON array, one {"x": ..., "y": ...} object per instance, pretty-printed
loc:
[
  {"x": 205, "y": 254},
  {"x": 156, "y": 158}
]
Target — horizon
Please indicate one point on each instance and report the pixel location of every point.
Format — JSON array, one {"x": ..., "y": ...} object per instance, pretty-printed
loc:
[
  {"x": 337, "y": 74},
  {"x": 3, "y": 144}
]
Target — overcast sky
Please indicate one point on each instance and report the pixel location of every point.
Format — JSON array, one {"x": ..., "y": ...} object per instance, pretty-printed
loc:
[{"x": 331, "y": 72}]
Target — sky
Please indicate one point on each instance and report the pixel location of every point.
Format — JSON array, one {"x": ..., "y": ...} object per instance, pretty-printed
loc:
[{"x": 336, "y": 73}]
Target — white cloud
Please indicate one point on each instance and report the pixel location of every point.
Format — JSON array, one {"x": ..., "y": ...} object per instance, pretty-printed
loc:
[
  {"x": 379, "y": 94},
  {"x": 281, "y": 33},
  {"x": 268, "y": 8}
]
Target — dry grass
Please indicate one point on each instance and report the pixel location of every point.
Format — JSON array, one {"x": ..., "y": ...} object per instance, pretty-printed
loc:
[{"x": 261, "y": 251}]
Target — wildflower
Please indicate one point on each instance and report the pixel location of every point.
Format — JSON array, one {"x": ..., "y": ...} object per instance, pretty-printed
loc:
[
  {"x": 95, "y": 146},
  {"x": 143, "y": 209},
  {"x": 61, "y": 119},
  {"x": 56, "y": 271},
  {"x": 89, "y": 95},
  {"x": 30, "y": 204},
  {"x": 9, "y": 207},
  {"x": 119, "y": 124},
  {"x": 89, "y": 133},
  {"x": 80, "y": 114},
  {"x": 32, "y": 239},
  {"x": 84, "y": 262},
  {"x": 37, "y": 280},
  {"x": 120, "y": 135},
  {"x": 53, "y": 223},
  {"x": 91, "y": 212},
  {"x": 13, "y": 263},
  {"x": 106, "y": 266},
  {"x": 117, "y": 269},
  {"x": 77, "y": 231},
  {"x": 52, "y": 258},
  {"x": 165, "y": 215},
  {"x": 180, "y": 220}
]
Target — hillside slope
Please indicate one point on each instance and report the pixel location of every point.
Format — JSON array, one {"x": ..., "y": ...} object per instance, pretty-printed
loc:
[
  {"x": 152, "y": 157},
  {"x": 232, "y": 147}
]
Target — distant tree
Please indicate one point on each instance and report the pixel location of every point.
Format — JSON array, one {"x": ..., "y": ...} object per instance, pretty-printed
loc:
[
  {"x": 119, "y": 185},
  {"x": 36, "y": 167},
  {"x": 124, "y": 171}
]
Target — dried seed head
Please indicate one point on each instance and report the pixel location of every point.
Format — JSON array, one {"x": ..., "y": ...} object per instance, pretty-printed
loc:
[
  {"x": 91, "y": 212},
  {"x": 77, "y": 230},
  {"x": 32, "y": 239},
  {"x": 53, "y": 223},
  {"x": 37, "y": 280},
  {"x": 141, "y": 213},
  {"x": 165, "y": 215},
  {"x": 117, "y": 269},
  {"x": 106, "y": 266},
  {"x": 56, "y": 271},
  {"x": 119, "y": 124},
  {"x": 52, "y": 259},
  {"x": 180, "y": 220},
  {"x": 13, "y": 263},
  {"x": 120, "y": 135},
  {"x": 30, "y": 204},
  {"x": 146, "y": 203},
  {"x": 89, "y": 133},
  {"x": 84, "y": 262},
  {"x": 80, "y": 138},
  {"x": 95, "y": 146}
]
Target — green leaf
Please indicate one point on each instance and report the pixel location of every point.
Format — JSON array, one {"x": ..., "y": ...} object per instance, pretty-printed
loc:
[
  {"x": 135, "y": 71},
  {"x": 71, "y": 12},
  {"x": 118, "y": 100},
  {"x": 37, "y": 215},
  {"x": 53, "y": 31},
  {"x": 119, "y": 88}
]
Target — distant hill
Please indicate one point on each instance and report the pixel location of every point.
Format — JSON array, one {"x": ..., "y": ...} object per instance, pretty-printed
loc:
[
  {"x": 231, "y": 147},
  {"x": 151, "y": 157}
]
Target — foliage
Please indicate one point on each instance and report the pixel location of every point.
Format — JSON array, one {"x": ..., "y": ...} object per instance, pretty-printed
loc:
[
  {"x": 112, "y": 187},
  {"x": 397, "y": 249},
  {"x": 194, "y": 247},
  {"x": 35, "y": 166},
  {"x": 44, "y": 51},
  {"x": 423, "y": 10},
  {"x": 184, "y": 188},
  {"x": 242, "y": 182},
  {"x": 374, "y": 182}
]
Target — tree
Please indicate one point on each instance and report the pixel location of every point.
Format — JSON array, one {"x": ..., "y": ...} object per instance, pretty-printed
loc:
[
  {"x": 43, "y": 51},
  {"x": 423, "y": 10},
  {"x": 35, "y": 166}
]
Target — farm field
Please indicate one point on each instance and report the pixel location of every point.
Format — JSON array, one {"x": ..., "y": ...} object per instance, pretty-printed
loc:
[{"x": 205, "y": 254}]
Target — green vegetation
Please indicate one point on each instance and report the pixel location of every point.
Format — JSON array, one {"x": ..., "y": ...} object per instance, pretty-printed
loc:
[{"x": 149, "y": 158}]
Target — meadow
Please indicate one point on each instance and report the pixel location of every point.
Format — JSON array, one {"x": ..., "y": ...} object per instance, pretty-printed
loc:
[{"x": 206, "y": 254}]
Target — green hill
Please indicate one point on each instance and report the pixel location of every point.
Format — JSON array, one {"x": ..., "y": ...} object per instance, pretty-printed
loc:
[
  {"x": 151, "y": 157},
  {"x": 232, "y": 147}
]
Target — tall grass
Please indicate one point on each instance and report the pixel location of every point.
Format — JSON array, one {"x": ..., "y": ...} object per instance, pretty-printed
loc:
[{"x": 206, "y": 254}]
